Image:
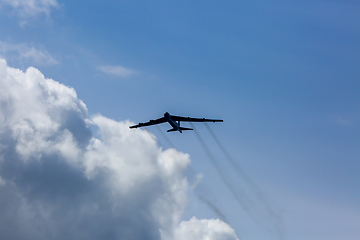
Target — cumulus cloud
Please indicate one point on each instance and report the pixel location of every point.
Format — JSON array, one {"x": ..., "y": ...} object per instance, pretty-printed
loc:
[
  {"x": 26, "y": 8},
  {"x": 204, "y": 229},
  {"x": 26, "y": 53},
  {"x": 118, "y": 71},
  {"x": 59, "y": 181}
]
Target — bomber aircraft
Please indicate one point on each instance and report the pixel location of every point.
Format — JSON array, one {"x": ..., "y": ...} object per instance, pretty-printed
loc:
[{"x": 174, "y": 121}]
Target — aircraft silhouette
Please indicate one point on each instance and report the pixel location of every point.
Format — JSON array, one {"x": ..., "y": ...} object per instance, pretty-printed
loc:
[{"x": 174, "y": 121}]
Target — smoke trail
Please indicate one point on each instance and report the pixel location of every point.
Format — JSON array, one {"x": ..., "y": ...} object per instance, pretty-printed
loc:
[
  {"x": 153, "y": 136},
  {"x": 167, "y": 139},
  {"x": 212, "y": 206},
  {"x": 221, "y": 172},
  {"x": 249, "y": 196},
  {"x": 258, "y": 192},
  {"x": 202, "y": 191}
]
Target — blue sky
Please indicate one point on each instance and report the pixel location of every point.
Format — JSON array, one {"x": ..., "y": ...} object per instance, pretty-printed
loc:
[{"x": 283, "y": 75}]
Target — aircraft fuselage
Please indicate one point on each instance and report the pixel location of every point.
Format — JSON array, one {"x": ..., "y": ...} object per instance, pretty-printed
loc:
[{"x": 174, "y": 124}]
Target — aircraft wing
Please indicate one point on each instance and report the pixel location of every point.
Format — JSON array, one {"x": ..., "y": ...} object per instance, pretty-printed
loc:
[
  {"x": 149, "y": 123},
  {"x": 189, "y": 119}
]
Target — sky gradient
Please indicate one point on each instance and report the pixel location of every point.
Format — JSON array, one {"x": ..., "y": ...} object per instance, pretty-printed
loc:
[{"x": 283, "y": 75}]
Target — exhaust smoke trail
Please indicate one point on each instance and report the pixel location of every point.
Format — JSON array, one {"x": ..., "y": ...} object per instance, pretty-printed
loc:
[
  {"x": 257, "y": 191},
  {"x": 246, "y": 193},
  {"x": 212, "y": 206},
  {"x": 152, "y": 136},
  {"x": 201, "y": 191},
  {"x": 221, "y": 172},
  {"x": 167, "y": 139}
]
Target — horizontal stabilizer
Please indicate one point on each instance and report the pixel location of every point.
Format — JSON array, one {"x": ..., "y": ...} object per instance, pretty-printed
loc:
[
  {"x": 172, "y": 130},
  {"x": 183, "y": 128}
]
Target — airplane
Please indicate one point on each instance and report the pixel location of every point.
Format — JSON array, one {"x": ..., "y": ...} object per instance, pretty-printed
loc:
[{"x": 174, "y": 121}]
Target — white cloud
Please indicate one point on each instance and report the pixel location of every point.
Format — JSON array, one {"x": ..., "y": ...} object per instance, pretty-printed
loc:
[
  {"x": 26, "y": 8},
  {"x": 204, "y": 229},
  {"x": 25, "y": 53},
  {"x": 118, "y": 71},
  {"x": 58, "y": 181}
]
